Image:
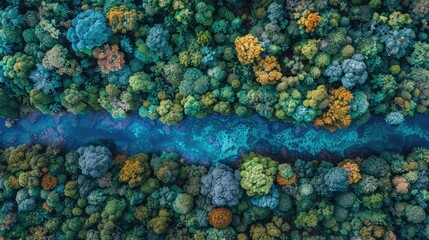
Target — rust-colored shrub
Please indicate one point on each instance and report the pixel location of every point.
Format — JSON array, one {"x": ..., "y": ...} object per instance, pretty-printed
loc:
[
  {"x": 220, "y": 217},
  {"x": 49, "y": 182},
  {"x": 109, "y": 58},
  {"x": 285, "y": 181}
]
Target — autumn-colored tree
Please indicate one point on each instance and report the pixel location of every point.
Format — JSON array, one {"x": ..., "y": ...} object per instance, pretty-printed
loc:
[
  {"x": 248, "y": 49},
  {"x": 109, "y": 59},
  {"x": 352, "y": 170},
  {"x": 285, "y": 181},
  {"x": 49, "y": 182},
  {"x": 135, "y": 170},
  {"x": 337, "y": 115},
  {"x": 121, "y": 19},
  {"x": 220, "y": 217},
  {"x": 309, "y": 20},
  {"x": 267, "y": 70}
]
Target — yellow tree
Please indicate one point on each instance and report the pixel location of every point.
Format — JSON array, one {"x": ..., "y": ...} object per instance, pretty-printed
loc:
[{"x": 337, "y": 115}]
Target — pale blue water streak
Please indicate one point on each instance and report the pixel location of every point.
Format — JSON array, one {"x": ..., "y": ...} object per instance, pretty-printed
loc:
[{"x": 217, "y": 138}]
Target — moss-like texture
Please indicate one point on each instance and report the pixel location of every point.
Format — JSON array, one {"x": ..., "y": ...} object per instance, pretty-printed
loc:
[
  {"x": 48, "y": 193},
  {"x": 280, "y": 59}
]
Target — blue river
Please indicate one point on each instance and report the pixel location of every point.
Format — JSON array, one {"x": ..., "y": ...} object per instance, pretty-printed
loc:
[{"x": 218, "y": 138}]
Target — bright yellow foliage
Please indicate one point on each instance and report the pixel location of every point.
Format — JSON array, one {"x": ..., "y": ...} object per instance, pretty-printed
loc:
[
  {"x": 121, "y": 19},
  {"x": 309, "y": 20},
  {"x": 337, "y": 116},
  {"x": 267, "y": 71},
  {"x": 352, "y": 170},
  {"x": 135, "y": 170},
  {"x": 248, "y": 49},
  {"x": 397, "y": 19}
]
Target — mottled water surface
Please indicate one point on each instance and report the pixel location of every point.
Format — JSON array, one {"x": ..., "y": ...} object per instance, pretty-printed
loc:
[{"x": 216, "y": 137}]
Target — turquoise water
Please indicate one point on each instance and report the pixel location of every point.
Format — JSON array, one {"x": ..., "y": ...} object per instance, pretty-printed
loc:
[{"x": 218, "y": 138}]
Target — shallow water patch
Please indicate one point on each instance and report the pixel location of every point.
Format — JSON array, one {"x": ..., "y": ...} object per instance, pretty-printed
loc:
[{"x": 216, "y": 138}]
